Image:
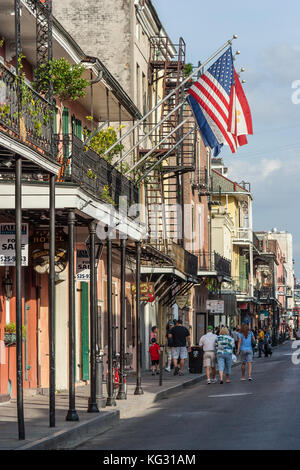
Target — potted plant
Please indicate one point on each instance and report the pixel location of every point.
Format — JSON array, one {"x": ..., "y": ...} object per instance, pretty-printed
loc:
[{"x": 10, "y": 333}]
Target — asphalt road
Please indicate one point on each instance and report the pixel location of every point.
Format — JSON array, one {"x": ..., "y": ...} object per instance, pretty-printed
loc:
[{"x": 263, "y": 414}]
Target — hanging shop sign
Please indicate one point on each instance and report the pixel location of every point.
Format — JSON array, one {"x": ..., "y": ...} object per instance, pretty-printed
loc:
[
  {"x": 83, "y": 272},
  {"x": 215, "y": 306},
  {"x": 41, "y": 260},
  {"x": 181, "y": 300},
  {"x": 8, "y": 244},
  {"x": 147, "y": 291},
  {"x": 211, "y": 284},
  {"x": 265, "y": 313},
  {"x": 40, "y": 253}
]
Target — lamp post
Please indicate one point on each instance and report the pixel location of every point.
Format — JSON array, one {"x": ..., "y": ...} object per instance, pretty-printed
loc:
[
  {"x": 94, "y": 248},
  {"x": 138, "y": 390}
]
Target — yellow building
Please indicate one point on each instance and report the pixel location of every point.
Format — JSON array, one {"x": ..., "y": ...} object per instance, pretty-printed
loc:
[{"x": 232, "y": 237}]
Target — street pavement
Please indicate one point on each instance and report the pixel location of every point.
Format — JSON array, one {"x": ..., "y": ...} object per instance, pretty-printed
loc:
[{"x": 263, "y": 414}]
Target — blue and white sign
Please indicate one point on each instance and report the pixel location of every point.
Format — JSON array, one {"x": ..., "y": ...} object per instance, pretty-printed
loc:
[{"x": 8, "y": 244}]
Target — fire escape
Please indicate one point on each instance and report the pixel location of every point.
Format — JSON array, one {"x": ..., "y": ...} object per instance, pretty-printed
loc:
[{"x": 174, "y": 144}]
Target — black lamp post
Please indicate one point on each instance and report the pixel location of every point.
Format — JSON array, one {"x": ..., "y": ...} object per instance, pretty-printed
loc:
[{"x": 94, "y": 258}]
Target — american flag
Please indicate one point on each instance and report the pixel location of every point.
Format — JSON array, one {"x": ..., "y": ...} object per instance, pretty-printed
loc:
[{"x": 213, "y": 100}]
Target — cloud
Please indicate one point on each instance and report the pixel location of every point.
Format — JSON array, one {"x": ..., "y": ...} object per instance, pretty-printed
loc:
[{"x": 260, "y": 171}]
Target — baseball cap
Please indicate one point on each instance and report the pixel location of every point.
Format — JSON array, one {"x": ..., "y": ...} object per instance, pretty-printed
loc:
[
  {"x": 210, "y": 327},
  {"x": 171, "y": 323}
]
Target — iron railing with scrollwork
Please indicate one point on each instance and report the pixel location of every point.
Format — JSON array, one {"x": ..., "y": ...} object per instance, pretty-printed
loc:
[
  {"x": 93, "y": 173},
  {"x": 212, "y": 261},
  {"x": 31, "y": 124}
]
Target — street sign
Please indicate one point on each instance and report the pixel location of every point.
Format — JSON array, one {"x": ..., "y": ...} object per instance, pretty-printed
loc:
[
  {"x": 215, "y": 306},
  {"x": 7, "y": 244}
]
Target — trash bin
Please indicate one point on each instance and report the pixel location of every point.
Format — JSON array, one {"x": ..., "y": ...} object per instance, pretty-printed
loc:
[{"x": 196, "y": 360}]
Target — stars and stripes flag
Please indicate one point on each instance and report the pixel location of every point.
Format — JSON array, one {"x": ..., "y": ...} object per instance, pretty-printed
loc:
[{"x": 220, "y": 106}]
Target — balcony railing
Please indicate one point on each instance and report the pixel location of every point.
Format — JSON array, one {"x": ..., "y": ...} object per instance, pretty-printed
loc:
[
  {"x": 183, "y": 259},
  {"x": 200, "y": 180},
  {"x": 212, "y": 261},
  {"x": 240, "y": 285},
  {"x": 243, "y": 234},
  {"x": 33, "y": 125},
  {"x": 93, "y": 173},
  {"x": 266, "y": 292}
]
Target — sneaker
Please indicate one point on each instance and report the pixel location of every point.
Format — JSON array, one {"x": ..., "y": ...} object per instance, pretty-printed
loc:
[
  {"x": 243, "y": 380},
  {"x": 157, "y": 372},
  {"x": 213, "y": 381},
  {"x": 250, "y": 379},
  {"x": 221, "y": 381},
  {"x": 208, "y": 382},
  {"x": 176, "y": 370},
  {"x": 181, "y": 373},
  {"x": 167, "y": 369},
  {"x": 153, "y": 373}
]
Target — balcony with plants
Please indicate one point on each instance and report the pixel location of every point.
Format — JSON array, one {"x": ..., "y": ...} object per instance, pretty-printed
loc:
[{"x": 25, "y": 115}]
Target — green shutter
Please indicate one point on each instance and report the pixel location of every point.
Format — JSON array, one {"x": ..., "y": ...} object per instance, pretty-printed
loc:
[
  {"x": 54, "y": 121},
  {"x": 66, "y": 130},
  {"x": 79, "y": 129},
  {"x": 85, "y": 330}
]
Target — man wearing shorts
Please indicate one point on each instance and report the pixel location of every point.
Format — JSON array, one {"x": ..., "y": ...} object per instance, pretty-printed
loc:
[
  {"x": 208, "y": 343},
  {"x": 180, "y": 335}
]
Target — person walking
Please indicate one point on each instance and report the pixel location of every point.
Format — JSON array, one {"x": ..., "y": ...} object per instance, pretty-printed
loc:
[
  {"x": 245, "y": 347},
  {"x": 169, "y": 345},
  {"x": 154, "y": 351},
  {"x": 154, "y": 333},
  {"x": 267, "y": 343},
  {"x": 235, "y": 336},
  {"x": 179, "y": 351},
  {"x": 224, "y": 348},
  {"x": 261, "y": 340},
  {"x": 208, "y": 343}
]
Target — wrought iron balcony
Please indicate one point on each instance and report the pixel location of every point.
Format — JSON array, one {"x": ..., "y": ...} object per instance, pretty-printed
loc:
[
  {"x": 213, "y": 262},
  {"x": 241, "y": 285},
  {"x": 183, "y": 259},
  {"x": 200, "y": 181},
  {"x": 30, "y": 120},
  {"x": 92, "y": 172},
  {"x": 266, "y": 292}
]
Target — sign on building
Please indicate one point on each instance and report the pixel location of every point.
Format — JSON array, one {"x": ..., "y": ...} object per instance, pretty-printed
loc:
[
  {"x": 147, "y": 291},
  {"x": 8, "y": 244},
  {"x": 83, "y": 266},
  {"x": 215, "y": 306},
  {"x": 181, "y": 300}
]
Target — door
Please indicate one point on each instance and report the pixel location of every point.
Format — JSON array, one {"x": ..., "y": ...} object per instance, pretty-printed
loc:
[{"x": 85, "y": 330}]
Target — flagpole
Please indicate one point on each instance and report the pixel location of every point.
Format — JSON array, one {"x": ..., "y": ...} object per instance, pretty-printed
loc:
[{"x": 227, "y": 43}]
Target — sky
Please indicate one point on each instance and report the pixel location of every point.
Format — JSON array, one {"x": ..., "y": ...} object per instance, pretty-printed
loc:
[{"x": 269, "y": 45}]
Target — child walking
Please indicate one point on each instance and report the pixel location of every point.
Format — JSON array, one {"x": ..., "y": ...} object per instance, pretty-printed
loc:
[{"x": 154, "y": 351}]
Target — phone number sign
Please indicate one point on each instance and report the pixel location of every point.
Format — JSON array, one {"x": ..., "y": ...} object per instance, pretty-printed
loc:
[
  {"x": 83, "y": 272},
  {"x": 8, "y": 244}
]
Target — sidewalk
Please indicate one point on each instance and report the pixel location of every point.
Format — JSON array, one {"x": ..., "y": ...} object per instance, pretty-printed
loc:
[{"x": 69, "y": 434}]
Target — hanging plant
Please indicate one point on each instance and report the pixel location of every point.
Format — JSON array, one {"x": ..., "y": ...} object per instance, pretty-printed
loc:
[
  {"x": 104, "y": 139},
  {"x": 68, "y": 83},
  {"x": 30, "y": 106},
  {"x": 105, "y": 195}
]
